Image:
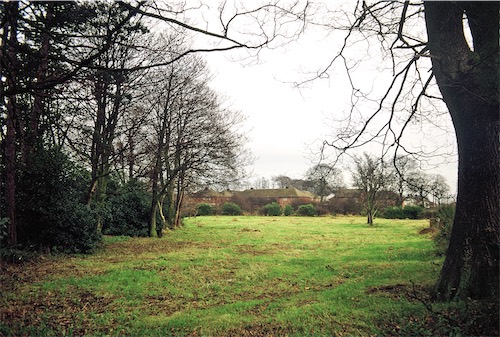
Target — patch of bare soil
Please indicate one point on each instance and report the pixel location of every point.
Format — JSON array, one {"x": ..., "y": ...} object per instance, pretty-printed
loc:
[
  {"x": 55, "y": 311},
  {"x": 257, "y": 250},
  {"x": 428, "y": 230},
  {"x": 400, "y": 290},
  {"x": 258, "y": 330},
  {"x": 250, "y": 230}
]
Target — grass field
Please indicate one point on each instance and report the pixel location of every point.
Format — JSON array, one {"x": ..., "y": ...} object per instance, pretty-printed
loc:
[{"x": 232, "y": 276}]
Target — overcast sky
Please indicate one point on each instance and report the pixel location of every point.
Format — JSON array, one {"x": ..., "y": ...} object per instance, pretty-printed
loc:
[{"x": 286, "y": 124}]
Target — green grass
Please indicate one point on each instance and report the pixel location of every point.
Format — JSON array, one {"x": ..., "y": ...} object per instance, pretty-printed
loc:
[{"x": 231, "y": 276}]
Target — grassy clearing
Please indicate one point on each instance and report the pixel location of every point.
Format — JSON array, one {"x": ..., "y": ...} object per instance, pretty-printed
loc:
[{"x": 231, "y": 276}]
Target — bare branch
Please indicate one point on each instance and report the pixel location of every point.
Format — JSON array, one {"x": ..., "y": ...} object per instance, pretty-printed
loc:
[{"x": 398, "y": 28}]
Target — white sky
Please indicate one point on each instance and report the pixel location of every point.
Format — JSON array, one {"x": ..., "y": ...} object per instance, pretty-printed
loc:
[{"x": 285, "y": 123}]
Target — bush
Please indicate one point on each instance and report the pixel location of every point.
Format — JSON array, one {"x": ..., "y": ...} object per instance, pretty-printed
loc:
[
  {"x": 205, "y": 209},
  {"x": 272, "y": 209},
  {"x": 16, "y": 255},
  {"x": 408, "y": 212},
  {"x": 52, "y": 213},
  {"x": 288, "y": 210},
  {"x": 347, "y": 205},
  {"x": 128, "y": 210},
  {"x": 413, "y": 212},
  {"x": 444, "y": 222},
  {"x": 393, "y": 213},
  {"x": 306, "y": 210},
  {"x": 323, "y": 210},
  {"x": 230, "y": 208},
  {"x": 76, "y": 231}
]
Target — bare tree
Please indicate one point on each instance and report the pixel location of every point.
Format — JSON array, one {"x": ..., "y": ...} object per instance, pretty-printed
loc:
[
  {"x": 262, "y": 183},
  {"x": 405, "y": 168},
  {"x": 324, "y": 180},
  {"x": 282, "y": 181},
  {"x": 196, "y": 141},
  {"x": 101, "y": 98},
  {"x": 371, "y": 176},
  {"x": 439, "y": 188},
  {"x": 420, "y": 186}
]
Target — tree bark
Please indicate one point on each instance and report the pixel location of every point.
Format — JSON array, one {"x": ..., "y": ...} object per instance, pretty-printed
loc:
[
  {"x": 152, "y": 220},
  {"x": 164, "y": 134},
  {"x": 369, "y": 219},
  {"x": 468, "y": 81},
  {"x": 97, "y": 147}
]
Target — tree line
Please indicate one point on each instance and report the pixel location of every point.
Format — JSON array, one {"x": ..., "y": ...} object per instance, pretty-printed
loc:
[
  {"x": 94, "y": 103},
  {"x": 373, "y": 177}
]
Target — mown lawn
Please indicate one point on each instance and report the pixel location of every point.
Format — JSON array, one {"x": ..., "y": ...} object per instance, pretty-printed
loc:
[{"x": 232, "y": 276}]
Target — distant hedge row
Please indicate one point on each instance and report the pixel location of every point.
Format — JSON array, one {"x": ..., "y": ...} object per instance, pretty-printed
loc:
[
  {"x": 272, "y": 209},
  {"x": 407, "y": 212}
]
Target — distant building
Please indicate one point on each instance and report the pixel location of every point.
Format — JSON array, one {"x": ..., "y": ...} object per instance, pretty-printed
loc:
[
  {"x": 350, "y": 201},
  {"x": 283, "y": 196},
  {"x": 251, "y": 200},
  {"x": 211, "y": 197}
]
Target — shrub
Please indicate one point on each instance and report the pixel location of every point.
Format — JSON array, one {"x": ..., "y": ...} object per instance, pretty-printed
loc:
[
  {"x": 408, "y": 212},
  {"x": 347, "y": 205},
  {"x": 52, "y": 214},
  {"x": 76, "y": 231},
  {"x": 230, "y": 208},
  {"x": 413, "y": 212},
  {"x": 323, "y": 210},
  {"x": 306, "y": 210},
  {"x": 16, "y": 255},
  {"x": 128, "y": 210},
  {"x": 393, "y": 213},
  {"x": 288, "y": 210},
  {"x": 272, "y": 209},
  {"x": 444, "y": 223},
  {"x": 205, "y": 209}
]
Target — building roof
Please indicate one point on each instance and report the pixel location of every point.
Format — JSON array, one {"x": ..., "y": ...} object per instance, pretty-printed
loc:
[
  {"x": 209, "y": 193},
  {"x": 276, "y": 193},
  {"x": 254, "y": 193}
]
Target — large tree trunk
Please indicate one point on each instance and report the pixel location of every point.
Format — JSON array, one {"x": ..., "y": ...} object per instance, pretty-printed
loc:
[{"x": 469, "y": 84}]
